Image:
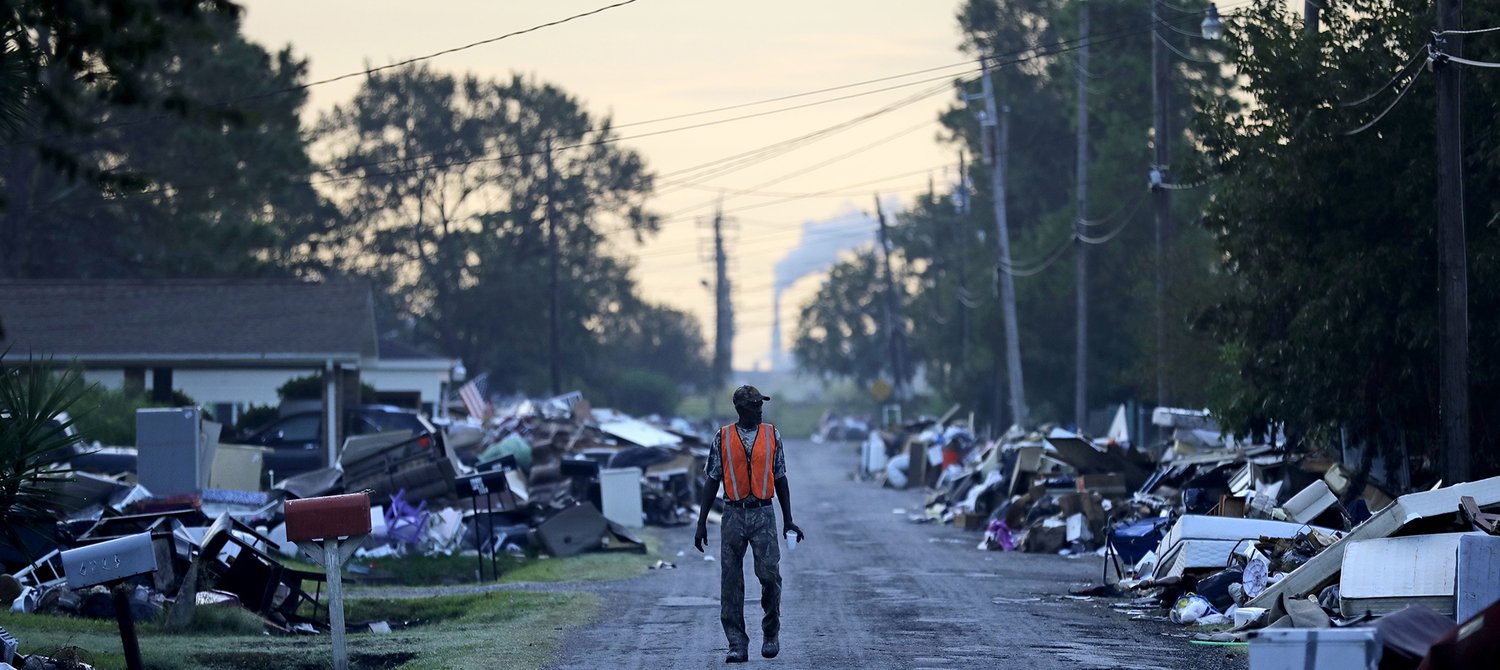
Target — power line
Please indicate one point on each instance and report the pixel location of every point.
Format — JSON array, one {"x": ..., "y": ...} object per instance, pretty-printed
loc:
[
  {"x": 1471, "y": 63},
  {"x": 722, "y": 166},
  {"x": 1032, "y": 53},
  {"x": 1380, "y": 91},
  {"x": 1387, "y": 110},
  {"x": 368, "y": 71},
  {"x": 1465, "y": 32},
  {"x": 849, "y": 154},
  {"x": 1119, "y": 210}
]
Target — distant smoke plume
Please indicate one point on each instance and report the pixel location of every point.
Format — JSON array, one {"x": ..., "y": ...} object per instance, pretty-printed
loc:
[{"x": 821, "y": 244}]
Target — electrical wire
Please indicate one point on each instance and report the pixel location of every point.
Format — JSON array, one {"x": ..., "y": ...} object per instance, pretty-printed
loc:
[
  {"x": 444, "y": 52},
  {"x": 816, "y": 194},
  {"x": 1105, "y": 238},
  {"x": 1132, "y": 206},
  {"x": 1181, "y": 54},
  {"x": 1378, "y": 92},
  {"x": 1387, "y": 110},
  {"x": 967, "y": 64},
  {"x": 817, "y": 166},
  {"x": 1471, "y": 63},
  {"x": 1031, "y": 53},
  {"x": 720, "y": 167},
  {"x": 1042, "y": 265},
  {"x": 1466, "y": 32},
  {"x": 369, "y": 71}
]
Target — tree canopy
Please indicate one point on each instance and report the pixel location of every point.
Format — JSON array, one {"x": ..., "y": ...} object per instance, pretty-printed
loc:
[{"x": 446, "y": 186}]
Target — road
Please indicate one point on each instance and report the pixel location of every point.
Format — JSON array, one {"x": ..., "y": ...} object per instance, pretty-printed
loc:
[{"x": 871, "y": 589}]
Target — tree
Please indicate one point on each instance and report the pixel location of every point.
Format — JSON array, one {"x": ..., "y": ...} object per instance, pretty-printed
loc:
[
  {"x": 33, "y": 432},
  {"x": 1329, "y": 233},
  {"x": 445, "y": 184},
  {"x": 208, "y": 178},
  {"x": 840, "y": 334}
]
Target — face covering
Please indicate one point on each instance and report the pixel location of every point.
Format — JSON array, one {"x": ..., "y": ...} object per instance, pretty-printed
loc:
[{"x": 749, "y": 415}]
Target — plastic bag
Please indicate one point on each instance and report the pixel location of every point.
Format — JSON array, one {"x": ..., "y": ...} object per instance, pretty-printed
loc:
[{"x": 1190, "y": 608}]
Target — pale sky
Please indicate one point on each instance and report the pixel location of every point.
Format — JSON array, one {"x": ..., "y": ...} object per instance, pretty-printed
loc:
[{"x": 661, "y": 58}]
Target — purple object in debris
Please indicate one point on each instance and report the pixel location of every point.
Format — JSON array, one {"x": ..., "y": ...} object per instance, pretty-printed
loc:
[
  {"x": 403, "y": 522},
  {"x": 999, "y": 534}
]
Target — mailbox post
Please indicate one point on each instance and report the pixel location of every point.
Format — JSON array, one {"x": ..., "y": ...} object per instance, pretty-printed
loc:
[
  {"x": 112, "y": 563},
  {"x": 339, "y": 523},
  {"x": 483, "y": 484}
]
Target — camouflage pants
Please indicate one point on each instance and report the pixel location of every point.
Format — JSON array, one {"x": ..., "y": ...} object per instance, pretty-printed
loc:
[{"x": 757, "y": 528}]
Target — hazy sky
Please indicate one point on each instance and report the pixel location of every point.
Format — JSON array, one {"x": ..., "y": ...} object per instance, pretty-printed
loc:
[{"x": 660, "y": 58}]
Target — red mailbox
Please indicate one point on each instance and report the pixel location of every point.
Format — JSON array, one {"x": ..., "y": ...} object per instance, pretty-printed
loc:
[{"x": 328, "y": 517}]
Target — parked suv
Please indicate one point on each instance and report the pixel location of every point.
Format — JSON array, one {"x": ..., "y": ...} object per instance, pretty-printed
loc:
[{"x": 296, "y": 440}]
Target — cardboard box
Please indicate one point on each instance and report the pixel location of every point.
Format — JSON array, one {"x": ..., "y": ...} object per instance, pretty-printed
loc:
[
  {"x": 237, "y": 467},
  {"x": 968, "y": 521}
]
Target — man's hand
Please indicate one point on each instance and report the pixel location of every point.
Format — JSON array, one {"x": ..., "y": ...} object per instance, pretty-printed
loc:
[
  {"x": 790, "y": 527},
  {"x": 700, "y": 538}
]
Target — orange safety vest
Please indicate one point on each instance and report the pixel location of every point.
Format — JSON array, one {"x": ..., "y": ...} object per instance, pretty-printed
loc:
[{"x": 751, "y": 475}]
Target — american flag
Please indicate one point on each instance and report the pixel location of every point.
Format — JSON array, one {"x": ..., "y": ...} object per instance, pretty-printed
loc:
[{"x": 475, "y": 395}]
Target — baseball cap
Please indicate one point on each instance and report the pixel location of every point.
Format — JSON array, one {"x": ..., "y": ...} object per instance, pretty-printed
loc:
[{"x": 749, "y": 395}]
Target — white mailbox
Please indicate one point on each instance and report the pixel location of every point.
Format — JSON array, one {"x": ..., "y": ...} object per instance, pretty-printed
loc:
[{"x": 109, "y": 561}]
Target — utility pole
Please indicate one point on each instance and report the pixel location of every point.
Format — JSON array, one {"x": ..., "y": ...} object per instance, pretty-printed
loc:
[
  {"x": 1081, "y": 353},
  {"x": 961, "y": 248},
  {"x": 1161, "y": 198},
  {"x": 1310, "y": 16},
  {"x": 998, "y": 153},
  {"x": 895, "y": 328},
  {"x": 723, "y": 310},
  {"x": 554, "y": 345},
  {"x": 1453, "y": 397}
]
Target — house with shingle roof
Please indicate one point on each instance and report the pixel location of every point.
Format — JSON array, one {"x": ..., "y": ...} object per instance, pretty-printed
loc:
[{"x": 227, "y": 343}]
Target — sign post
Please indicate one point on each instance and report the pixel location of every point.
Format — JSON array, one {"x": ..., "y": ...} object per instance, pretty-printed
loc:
[
  {"x": 339, "y": 523},
  {"x": 113, "y": 563},
  {"x": 483, "y": 484}
]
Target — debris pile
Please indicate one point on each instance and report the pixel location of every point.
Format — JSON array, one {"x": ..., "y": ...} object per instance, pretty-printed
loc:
[
  {"x": 550, "y": 477},
  {"x": 1289, "y": 552}
]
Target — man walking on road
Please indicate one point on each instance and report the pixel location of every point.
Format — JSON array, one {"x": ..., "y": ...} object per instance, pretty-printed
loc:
[{"x": 746, "y": 458}]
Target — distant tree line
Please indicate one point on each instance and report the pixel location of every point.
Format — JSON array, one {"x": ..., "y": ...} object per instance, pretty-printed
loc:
[{"x": 151, "y": 139}]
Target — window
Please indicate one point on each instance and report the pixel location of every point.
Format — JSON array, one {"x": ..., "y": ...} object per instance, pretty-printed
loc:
[{"x": 305, "y": 428}]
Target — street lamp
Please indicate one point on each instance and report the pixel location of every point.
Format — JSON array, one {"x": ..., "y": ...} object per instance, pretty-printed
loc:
[{"x": 1213, "y": 28}]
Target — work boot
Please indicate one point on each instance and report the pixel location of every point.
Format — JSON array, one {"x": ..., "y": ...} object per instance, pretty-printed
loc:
[
  {"x": 770, "y": 648},
  {"x": 737, "y": 656}
]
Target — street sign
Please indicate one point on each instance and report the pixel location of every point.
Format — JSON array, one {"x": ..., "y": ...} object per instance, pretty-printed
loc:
[
  {"x": 880, "y": 390},
  {"x": 483, "y": 483}
]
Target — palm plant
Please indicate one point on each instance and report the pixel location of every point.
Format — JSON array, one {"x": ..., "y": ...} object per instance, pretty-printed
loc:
[{"x": 34, "y": 435}]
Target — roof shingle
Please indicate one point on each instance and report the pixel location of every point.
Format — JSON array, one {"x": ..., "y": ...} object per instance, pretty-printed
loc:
[{"x": 216, "y": 319}]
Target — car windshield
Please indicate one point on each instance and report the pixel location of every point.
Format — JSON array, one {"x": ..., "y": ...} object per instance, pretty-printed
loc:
[{"x": 300, "y": 428}]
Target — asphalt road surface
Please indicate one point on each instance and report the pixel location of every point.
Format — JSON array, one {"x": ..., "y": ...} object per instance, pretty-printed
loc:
[{"x": 871, "y": 589}]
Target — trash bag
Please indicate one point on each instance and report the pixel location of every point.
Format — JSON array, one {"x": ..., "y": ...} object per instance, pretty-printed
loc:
[
  {"x": 512, "y": 445},
  {"x": 895, "y": 471},
  {"x": 1191, "y": 608}
]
